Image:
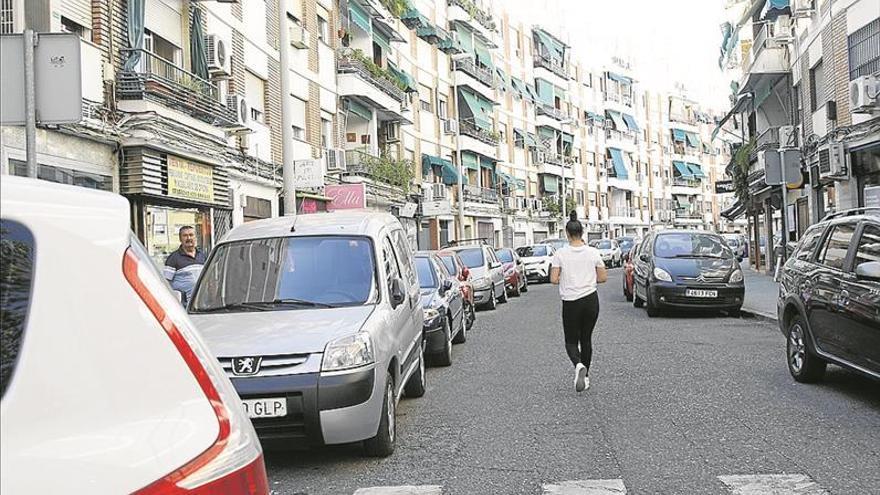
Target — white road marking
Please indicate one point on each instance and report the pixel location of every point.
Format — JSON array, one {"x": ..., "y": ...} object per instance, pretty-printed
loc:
[
  {"x": 772, "y": 484},
  {"x": 585, "y": 487},
  {"x": 401, "y": 490}
]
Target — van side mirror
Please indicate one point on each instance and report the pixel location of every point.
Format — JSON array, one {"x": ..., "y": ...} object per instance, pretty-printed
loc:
[
  {"x": 445, "y": 286},
  {"x": 397, "y": 294},
  {"x": 644, "y": 257},
  {"x": 869, "y": 271}
]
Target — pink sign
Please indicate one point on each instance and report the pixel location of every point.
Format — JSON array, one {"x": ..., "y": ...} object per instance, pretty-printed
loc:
[
  {"x": 309, "y": 205},
  {"x": 346, "y": 196}
]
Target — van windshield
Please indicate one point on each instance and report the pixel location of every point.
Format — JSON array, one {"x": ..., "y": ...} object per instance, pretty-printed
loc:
[
  {"x": 287, "y": 273},
  {"x": 472, "y": 258}
]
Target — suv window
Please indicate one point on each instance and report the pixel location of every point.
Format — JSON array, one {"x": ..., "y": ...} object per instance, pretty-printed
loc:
[
  {"x": 869, "y": 246},
  {"x": 836, "y": 245},
  {"x": 808, "y": 244},
  {"x": 16, "y": 278}
]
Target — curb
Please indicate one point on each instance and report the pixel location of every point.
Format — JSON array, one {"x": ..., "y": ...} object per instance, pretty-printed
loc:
[{"x": 759, "y": 315}]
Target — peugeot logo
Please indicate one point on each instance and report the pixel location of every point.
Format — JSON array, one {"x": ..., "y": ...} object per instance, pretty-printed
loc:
[{"x": 246, "y": 366}]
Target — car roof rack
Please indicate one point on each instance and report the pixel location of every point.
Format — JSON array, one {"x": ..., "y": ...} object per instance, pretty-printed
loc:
[{"x": 864, "y": 210}]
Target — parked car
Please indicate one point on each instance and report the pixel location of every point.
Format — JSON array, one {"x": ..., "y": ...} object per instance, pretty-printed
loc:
[
  {"x": 318, "y": 320},
  {"x": 626, "y": 243},
  {"x": 829, "y": 297},
  {"x": 629, "y": 272},
  {"x": 737, "y": 244},
  {"x": 106, "y": 385},
  {"x": 687, "y": 269},
  {"x": 515, "y": 279},
  {"x": 486, "y": 272},
  {"x": 557, "y": 243},
  {"x": 609, "y": 250},
  {"x": 455, "y": 266},
  {"x": 443, "y": 305},
  {"x": 536, "y": 261}
]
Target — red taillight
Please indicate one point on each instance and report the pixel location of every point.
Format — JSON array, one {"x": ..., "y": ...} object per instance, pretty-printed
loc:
[{"x": 250, "y": 479}]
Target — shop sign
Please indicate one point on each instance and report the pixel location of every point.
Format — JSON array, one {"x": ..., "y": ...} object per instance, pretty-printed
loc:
[
  {"x": 724, "y": 186},
  {"x": 872, "y": 196},
  {"x": 308, "y": 174},
  {"x": 346, "y": 196},
  {"x": 188, "y": 180},
  {"x": 408, "y": 210},
  {"x": 436, "y": 208},
  {"x": 308, "y": 205}
]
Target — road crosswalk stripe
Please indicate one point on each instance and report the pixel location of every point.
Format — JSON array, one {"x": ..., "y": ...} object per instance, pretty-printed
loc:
[
  {"x": 772, "y": 484},
  {"x": 585, "y": 487},
  {"x": 401, "y": 490}
]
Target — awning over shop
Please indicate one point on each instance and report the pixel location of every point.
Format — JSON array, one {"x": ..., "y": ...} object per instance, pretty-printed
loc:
[
  {"x": 683, "y": 170},
  {"x": 679, "y": 135},
  {"x": 550, "y": 183},
  {"x": 615, "y": 117},
  {"x": 631, "y": 122},
  {"x": 359, "y": 109},
  {"x": 734, "y": 211},
  {"x": 477, "y": 108},
  {"x": 693, "y": 140},
  {"x": 619, "y": 78},
  {"x": 359, "y": 16},
  {"x": 470, "y": 160},
  {"x": 619, "y": 163},
  {"x": 696, "y": 170}
]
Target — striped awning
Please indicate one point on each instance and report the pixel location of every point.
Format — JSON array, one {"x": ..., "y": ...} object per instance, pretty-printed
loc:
[
  {"x": 615, "y": 117},
  {"x": 679, "y": 135},
  {"x": 631, "y": 122},
  {"x": 683, "y": 170},
  {"x": 359, "y": 16},
  {"x": 696, "y": 170},
  {"x": 619, "y": 164},
  {"x": 477, "y": 108},
  {"x": 693, "y": 140}
]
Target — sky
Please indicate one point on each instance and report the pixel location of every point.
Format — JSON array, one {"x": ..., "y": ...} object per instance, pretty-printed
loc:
[{"x": 666, "y": 42}]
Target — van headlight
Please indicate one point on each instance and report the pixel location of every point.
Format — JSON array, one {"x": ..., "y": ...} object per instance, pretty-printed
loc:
[
  {"x": 348, "y": 352},
  {"x": 661, "y": 274},
  {"x": 736, "y": 277}
]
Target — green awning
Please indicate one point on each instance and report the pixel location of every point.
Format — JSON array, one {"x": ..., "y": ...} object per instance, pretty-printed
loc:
[
  {"x": 683, "y": 170},
  {"x": 547, "y": 135},
  {"x": 429, "y": 161},
  {"x": 527, "y": 138},
  {"x": 550, "y": 183},
  {"x": 487, "y": 163},
  {"x": 546, "y": 91},
  {"x": 532, "y": 140},
  {"x": 631, "y": 122},
  {"x": 414, "y": 19},
  {"x": 502, "y": 77},
  {"x": 615, "y": 117},
  {"x": 553, "y": 48},
  {"x": 478, "y": 110},
  {"x": 696, "y": 170},
  {"x": 595, "y": 117},
  {"x": 679, "y": 135},
  {"x": 359, "y": 17},
  {"x": 470, "y": 161},
  {"x": 360, "y": 110},
  {"x": 532, "y": 94},
  {"x": 693, "y": 140},
  {"x": 465, "y": 36},
  {"x": 483, "y": 55},
  {"x": 427, "y": 31},
  {"x": 567, "y": 139},
  {"x": 382, "y": 40},
  {"x": 409, "y": 85},
  {"x": 619, "y": 164},
  {"x": 682, "y": 201}
]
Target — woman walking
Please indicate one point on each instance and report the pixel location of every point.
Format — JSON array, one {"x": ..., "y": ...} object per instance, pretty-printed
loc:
[{"x": 577, "y": 268}]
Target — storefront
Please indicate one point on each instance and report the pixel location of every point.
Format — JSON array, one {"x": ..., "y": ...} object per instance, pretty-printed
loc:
[
  {"x": 866, "y": 168},
  {"x": 168, "y": 192}
]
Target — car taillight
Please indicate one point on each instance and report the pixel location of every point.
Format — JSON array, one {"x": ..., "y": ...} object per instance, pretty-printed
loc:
[{"x": 234, "y": 462}]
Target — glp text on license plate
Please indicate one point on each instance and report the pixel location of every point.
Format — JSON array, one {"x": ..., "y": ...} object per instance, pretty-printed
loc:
[{"x": 265, "y": 408}]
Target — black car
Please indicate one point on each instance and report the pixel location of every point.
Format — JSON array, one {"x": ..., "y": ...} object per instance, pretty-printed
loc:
[
  {"x": 687, "y": 269},
  {"x": 443, "y": 304},
  {"x": 829, "y": 297}
]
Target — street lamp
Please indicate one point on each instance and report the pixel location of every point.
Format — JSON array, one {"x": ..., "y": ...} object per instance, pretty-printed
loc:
[{"x": 455, "y": 58}]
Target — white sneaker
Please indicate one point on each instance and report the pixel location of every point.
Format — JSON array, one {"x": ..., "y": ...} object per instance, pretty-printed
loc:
[
  {"x": 586, "y": 383},
  {"x": 580, "y": 376}
]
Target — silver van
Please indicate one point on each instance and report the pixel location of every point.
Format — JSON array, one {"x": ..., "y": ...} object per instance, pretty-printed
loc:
[{"x": 318, "y": 323}]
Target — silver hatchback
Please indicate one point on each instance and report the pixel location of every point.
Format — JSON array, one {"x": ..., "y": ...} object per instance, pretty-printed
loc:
[{"x": 318, "y": 323}]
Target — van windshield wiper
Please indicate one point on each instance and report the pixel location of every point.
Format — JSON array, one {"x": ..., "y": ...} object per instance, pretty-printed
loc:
[
  {"x": 302, "y": 302},
  {"x": 251, "y": 306},
  {"x": 713, "y": 256}
]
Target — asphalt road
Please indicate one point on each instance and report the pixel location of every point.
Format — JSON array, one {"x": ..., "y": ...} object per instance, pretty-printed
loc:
[{"x": 697, "y": 404}]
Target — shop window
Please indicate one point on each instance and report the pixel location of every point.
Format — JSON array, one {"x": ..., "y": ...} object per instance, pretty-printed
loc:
[
  {"x": 163, "y": 223},
  {"x": 63, "y": 175}
]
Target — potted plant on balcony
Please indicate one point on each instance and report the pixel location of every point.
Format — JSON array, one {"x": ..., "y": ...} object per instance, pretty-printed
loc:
[{"x": 392, "y": 171}]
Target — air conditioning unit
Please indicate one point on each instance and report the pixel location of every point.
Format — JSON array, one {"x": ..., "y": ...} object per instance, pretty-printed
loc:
[
  {"x": 788, "y": 136},
  {"x": 803, "y": 8},
  {"x": 334, "y": 159},
  {"x": 239, "y": 105},
  {"x": 299, "y": 37},
  {"x": 439, "y": 192},
  {"x": 391, "y": 132},
  {"x": 450, "y": 127},
  {"x": 864, "y": 94},
  {"x": 218, "y": 55}
]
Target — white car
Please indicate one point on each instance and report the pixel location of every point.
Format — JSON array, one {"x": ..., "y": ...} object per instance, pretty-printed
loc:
[
  {"x": 610, "y": 252},
  {"x": 106, "y": 386},
  {"x": 536, "y": 260}
]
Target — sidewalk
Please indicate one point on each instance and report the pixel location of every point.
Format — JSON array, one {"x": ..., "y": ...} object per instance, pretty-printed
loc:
[{"x": 761, "y": 293}]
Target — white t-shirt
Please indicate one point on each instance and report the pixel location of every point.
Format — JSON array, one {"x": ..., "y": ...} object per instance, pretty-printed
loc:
[{"x": 578, "y": 271}]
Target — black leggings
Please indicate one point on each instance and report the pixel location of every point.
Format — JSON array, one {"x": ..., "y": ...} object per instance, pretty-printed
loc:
[{"x": 578, "y": 320}]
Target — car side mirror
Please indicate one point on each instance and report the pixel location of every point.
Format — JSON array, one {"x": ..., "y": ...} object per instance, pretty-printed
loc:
[
  {"x": 644, "y": 257},
  {"x": 397, "y": 294},
  {"x": 869, "y": 271},
  {"x": 446, "y": 286}
]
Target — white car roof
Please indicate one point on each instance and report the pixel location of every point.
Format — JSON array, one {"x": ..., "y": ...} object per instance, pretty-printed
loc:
[{"x": 351, "y": 222}]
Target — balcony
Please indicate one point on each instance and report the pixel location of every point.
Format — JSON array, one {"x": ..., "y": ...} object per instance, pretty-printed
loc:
[
  {"x": 621, "y": 136},
  {"x": 767, "y": 140},
  {"x": 542, "y": 60},
  {"x": 358, "y": 161},
  {"x": 482, "y": 17},
  {"x": 769, "y": 56},
  {"x": 619, "y": 98},
  {"x": 480, "y": 194},
  {"x": 155, "y": 78},
  {"x": 380, "y": 85},
  {"x": 481, "y": 74},
  {"x": 552, "y": 112},
  {"x": 688, "y": 214},
  {"x": 468, "y": 128}
]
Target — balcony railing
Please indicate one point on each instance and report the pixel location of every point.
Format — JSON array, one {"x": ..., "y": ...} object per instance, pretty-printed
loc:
[
  {"x": 555, "y": 66},
  {"x": 468, "y": 128},
  {"x": 357, "y": 161},
  {"x": 560, "y": 159},
  {"x": 481, "y": 16},
  {"x": 687, "y": 213},
  {"x": 480, "y": 194},
  {"x": 349, "y": 63},
  {"x": 624, "y": 211},
  {"x": 767, "y": 38},
  {"x": 552, "y": 112},
  {"x": 619, "y": 98},
  {"x": 682, "y": 182},
  {"x": 158, "y": 79},
  {"x": 767, "y": 140},
  {"x": 482, "y": 74},
  {"x": 621, "y": 135}
]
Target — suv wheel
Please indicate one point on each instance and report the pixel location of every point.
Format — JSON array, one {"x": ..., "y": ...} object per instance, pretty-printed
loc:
[
  {"x": 382, "y": 445},
  {"x": 418, "y": 382},
  {"x": 804, "y": 366}
]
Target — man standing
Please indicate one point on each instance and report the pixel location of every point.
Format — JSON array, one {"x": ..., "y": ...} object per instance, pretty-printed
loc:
[{"x": 182, "y": 267}]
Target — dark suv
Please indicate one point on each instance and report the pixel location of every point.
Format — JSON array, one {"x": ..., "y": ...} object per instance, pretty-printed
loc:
[{"x": 829, "y": 296}]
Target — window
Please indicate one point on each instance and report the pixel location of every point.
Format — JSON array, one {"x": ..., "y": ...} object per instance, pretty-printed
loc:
[
  {"x": 427, "y": 275},
  {"x": 406, "y": 258},
  {"x": 323, "y": 30},
  {"x": 7, "y": 17},
  {"x": 63, "y": 175},
  {"x": 864, "y": 50},
  {"x": 580, "y": 197},
  {"x": 442, "y": 108},
  {"x": 392, "y": 270},
  {"x": 425, "y": 96},
  {"x": 808, "y": 244},
  {"x": 326, "y": 133},
  {"x": 817, "y": 86},
  {"x": 299, "y": 119},
  {"x": 502, "y": 132},
  {"x": 16, "y": 278},
  {"x": 70, "y": 26},
  {"x": 255, "y": 93},
  {"x": 161, "y": 47},
  {"x": 836, "y": 245},
  {"x": 869, "y": 246}
]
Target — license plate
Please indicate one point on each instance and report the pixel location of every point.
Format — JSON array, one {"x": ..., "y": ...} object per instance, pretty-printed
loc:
[
  {"x": 265, "y": 408},
  {"x": 701, "y": 293}
]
